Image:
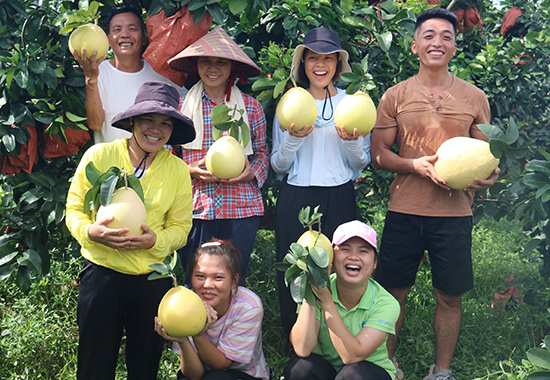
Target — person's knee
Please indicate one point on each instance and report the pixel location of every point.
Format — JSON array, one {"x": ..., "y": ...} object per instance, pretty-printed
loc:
[
  {"x": 298, "y": 368},
  {"x": 447, "y": 300},
  {"x": 363, "y": 370}
]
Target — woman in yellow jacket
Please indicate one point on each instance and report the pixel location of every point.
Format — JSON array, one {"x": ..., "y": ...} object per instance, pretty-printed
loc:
[{"x": 115, "y": 295}]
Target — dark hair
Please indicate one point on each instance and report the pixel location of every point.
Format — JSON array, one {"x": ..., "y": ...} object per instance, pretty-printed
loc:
[
  {"x": 217, "y": 247},
  {"x": 118, "y": 11},
  {"x": 441, "y": 13},
  {"x": 301, "y": 71}
]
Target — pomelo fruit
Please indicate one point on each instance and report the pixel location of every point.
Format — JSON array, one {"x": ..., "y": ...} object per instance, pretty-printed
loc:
[
  {"x": 182, "y": 312},
  {"x": 308, "y": 239},
  {"x": 225, "y": 158},
  {"x": 356, "y": 111},
  {"x": 463, "y": 159},
  {"x": 91, "y": 37},
  {"x": 296, "y": 106},
  {"x": 127, "y": 208}
]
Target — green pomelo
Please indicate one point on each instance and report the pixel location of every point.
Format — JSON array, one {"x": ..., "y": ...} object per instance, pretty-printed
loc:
[
  {"x": 356, "y": 111},
  {"x": 127, "y": 208},
  {"x": 225, "y": 158},
  {"x": 91, "y": 37},
  {"x": 296, "y": 106}
]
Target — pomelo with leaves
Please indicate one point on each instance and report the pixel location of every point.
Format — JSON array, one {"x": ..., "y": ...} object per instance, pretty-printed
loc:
[
  {"x": 115, "y": 193},
  {"x": 309, "y": 257},
  {"x": 226, "y": 157},
  {"x": 181, "y": 311},
  {"x": 297, "y": 106}
]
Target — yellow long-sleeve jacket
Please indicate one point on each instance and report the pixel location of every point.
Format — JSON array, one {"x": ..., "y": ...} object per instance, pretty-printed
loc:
[{"x": 168, "y": 202}]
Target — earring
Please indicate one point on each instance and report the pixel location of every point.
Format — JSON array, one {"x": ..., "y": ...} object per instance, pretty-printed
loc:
[{"x": 233, "y": 291}]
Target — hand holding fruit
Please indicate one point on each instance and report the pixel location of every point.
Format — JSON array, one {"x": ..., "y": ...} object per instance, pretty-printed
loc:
[
  {"x": 483, "y": 184},
  {"x": 424, "y": 166},
  {"x": 246, "y": 175},
  {"x": 162, "y": 332},
  {"x": 302, "y": 132},
  {"x": 344, "y": 135},
  {"x": 144, "y": 241},
  {"x": 211, "y": 318},
  {"x": 197, "y": 170},
  {"x": 118, "y": 238},
  {"x": 111, "y": 237},
  {"x": 90, "y": 66}
]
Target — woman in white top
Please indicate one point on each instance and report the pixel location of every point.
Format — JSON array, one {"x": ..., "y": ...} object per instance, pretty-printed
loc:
[{"x": 318, "y": 164}]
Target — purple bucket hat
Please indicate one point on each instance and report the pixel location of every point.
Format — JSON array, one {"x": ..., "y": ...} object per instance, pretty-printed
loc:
[{"x": 163, "y": 98}]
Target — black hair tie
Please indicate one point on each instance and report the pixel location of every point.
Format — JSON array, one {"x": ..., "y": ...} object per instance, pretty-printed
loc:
[{"x": 327, "y": 96}]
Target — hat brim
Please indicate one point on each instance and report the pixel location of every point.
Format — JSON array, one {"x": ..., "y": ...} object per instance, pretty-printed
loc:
[
  {"x": 298, "y": 54},
  {"x": 183, "y": 131}
]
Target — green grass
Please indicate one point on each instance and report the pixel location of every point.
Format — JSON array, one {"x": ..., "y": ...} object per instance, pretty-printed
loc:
[{"x": 39, "y": 334}]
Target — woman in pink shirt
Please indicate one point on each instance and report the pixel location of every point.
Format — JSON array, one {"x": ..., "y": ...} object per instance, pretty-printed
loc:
[{"x": 230, "y": 345}]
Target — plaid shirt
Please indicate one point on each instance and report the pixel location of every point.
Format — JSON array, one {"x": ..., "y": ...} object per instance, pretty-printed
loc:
[{"x": 217, "y": 200}]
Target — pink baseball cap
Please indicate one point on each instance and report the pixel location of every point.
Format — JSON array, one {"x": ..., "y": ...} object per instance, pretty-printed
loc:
[{"x": 354, "y": 228}]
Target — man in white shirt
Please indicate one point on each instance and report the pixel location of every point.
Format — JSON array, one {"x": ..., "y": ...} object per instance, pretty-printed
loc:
[{"x": 112, "y": 85}]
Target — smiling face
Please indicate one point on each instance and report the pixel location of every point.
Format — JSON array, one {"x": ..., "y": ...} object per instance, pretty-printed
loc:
[
  {"x": 152, "y": 131},
  {"x": 126, "y": 36},
  {"x": 354, "y": 261},
  {"x": 320, "y": 69},
  {"x": 434, "y": 43},
  {"x": 213, "y": 281},
  {"x": 214, "y": 72}
]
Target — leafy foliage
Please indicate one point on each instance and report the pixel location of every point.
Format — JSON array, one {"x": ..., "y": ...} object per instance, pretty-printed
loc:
[
  {"x": 105, "y": 184},
  {"x": 304, "y": 263},
  {"x": 541, "y": 358},
  {"x": 225, "y": 119}
]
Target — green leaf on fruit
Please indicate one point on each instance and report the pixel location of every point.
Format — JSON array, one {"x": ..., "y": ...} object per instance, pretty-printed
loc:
[
  {"x": 320, "y": 256},
  {"x": 291, "y": 258},
  {"x": 107, "y": 189}
]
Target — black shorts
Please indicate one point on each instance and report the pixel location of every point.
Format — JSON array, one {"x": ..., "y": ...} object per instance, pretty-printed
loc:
[{"x": 448, "y": 241}]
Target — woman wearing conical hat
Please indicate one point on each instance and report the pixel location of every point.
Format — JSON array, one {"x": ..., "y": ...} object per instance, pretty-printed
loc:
[{"x": 225, "y": 209}]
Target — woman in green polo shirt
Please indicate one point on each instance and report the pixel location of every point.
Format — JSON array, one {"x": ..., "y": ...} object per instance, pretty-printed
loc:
[{"x": 343, "y": 336}]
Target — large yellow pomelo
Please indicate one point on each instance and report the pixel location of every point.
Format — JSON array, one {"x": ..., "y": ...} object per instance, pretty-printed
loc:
[
  {"x": 225, "y": 158},
  {"x": 296, "y": 106},
  {"x": 182, "y": 312},
  {"x": 356, "y": 111},
  {"x": 308, "y": 239},
  {"x": 127, "y": 208},
  {"x": 463, "y": 159},
  {"x": 91, "y": 37}
]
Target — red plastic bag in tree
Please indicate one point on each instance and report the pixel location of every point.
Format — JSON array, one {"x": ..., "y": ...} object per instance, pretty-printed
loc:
[
  {"x": 28, "y": 156},
  {"x": 472, "y": 18},
  {"x": 434, "y": 2},
  {"x": 509, "y": 19},
  {"x": 169, "y": 36},
  {"x": 76, "y": 139},
  {"x": 459, "y": 13}
]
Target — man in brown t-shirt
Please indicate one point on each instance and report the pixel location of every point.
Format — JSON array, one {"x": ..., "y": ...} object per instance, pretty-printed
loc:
[{"x": 418, "y": 115}]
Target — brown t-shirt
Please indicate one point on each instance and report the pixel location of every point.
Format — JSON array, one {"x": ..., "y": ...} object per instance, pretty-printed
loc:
[{"x": 423, "y": 125}]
